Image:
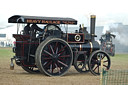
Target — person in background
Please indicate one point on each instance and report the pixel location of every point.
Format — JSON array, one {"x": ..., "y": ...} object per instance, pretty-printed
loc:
[{"x": 109, "y": 36}]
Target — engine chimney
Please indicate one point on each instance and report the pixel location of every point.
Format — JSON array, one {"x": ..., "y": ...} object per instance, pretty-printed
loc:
[{"x": 92, "y": 27}]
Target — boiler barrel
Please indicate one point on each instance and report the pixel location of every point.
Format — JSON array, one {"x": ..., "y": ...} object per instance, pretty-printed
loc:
[{"x": 90, "y": 46}]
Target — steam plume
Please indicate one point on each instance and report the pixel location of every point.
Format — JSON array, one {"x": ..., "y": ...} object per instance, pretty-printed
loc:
[{"x": 120, "y": 30}]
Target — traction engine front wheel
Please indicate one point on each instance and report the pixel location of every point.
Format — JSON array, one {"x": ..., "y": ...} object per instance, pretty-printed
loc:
[
  {"x": 95, "y": 62},
  {"x": 54, "y": 57}
]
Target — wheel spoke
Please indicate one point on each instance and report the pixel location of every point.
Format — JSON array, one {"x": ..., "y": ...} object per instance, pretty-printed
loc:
[
  {"x": 49, "y": 48},
  {"x": 62, "y": 49},
  {"x": 51, "y": 68},
  {"x": 47, "y": 64},
  {"x": 63, "y": 63},
  {"x": 52, "y": 49},
  {"x": 46, "y": 58},
  {"x": 57, "y": 68},
  {"x": 61, "y": 59},
  {"x": 58, "y": 65},
  {"x": 103, "y": 57},
  {"x": 47, "y": 52},
  {"x": 105, "y": 61},
  {"x": 105, "y": 66},
  {"x": 65, "y": 56},
  {"x": 60, "y": 53},
  {"x": 56, "y": 46},
  {"x": 56, "y": 50},
  {"x": 95, "y": 68}
]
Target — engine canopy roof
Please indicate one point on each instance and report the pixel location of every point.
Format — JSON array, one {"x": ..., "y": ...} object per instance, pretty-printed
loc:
[{"x": 41, "y": 20}]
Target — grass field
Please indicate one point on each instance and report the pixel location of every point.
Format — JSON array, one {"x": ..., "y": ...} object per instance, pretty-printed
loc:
[
  {"x": 6, "y": 53},
  {"x": 19, "y": 77}
]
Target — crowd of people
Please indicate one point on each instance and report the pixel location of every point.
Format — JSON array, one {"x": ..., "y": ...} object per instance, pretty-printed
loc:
[{"x": 6, "y": 44}]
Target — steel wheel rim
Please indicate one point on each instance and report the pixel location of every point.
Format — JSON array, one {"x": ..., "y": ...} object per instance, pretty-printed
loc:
[
  {"x": 95, "y": 62},
  {"x": 56, "y": 58}
]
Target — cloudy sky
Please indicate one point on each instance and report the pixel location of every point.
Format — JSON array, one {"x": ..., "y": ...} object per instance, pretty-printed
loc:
[{"x": 107, "y": 11}]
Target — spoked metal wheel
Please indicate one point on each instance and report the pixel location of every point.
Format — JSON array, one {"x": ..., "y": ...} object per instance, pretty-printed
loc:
[
  {"x": 31, "y": 69},
  {"x": 54, "y": 57},
  {"x": 81, "y": 63},
  {"x": 95, "y": 62}
]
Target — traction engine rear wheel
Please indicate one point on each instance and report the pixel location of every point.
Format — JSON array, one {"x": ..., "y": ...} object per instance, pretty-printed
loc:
[
  {"x": 54, "y": 57},
  {"x": 95, "y": 62}
]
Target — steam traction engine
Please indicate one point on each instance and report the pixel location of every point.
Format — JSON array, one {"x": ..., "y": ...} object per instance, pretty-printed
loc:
[
  {"x": 52, "y": 51},
  {"x": 107, "y": 44}
]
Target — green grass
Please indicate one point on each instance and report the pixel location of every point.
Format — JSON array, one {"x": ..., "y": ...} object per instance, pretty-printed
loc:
[
  {"x": 120, "y": 57},
  {"x": 6, "y": 53}
]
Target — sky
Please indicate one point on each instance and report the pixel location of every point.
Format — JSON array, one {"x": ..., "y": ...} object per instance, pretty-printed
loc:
[{"x": 107, "y": 11}]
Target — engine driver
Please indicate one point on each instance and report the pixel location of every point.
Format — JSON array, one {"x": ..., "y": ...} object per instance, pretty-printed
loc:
[
  {"x": 34, "y": 29},
  {"x": 27, "y": 29}
]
